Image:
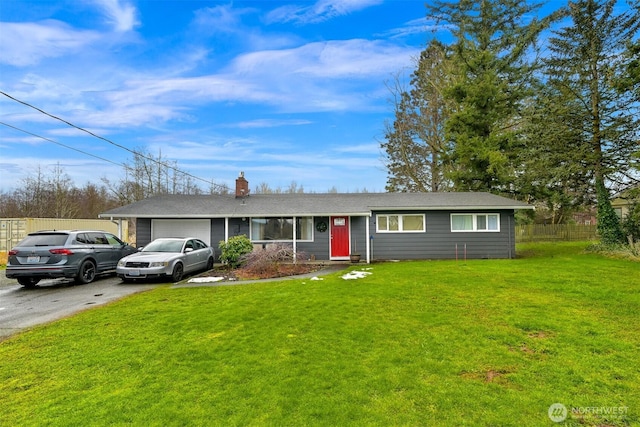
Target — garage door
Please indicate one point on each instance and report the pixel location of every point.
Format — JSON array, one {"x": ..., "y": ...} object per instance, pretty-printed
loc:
[{"x": 200, "y": 228}]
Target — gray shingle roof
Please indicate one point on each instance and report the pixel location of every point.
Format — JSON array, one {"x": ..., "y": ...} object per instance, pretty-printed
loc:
[{"x": 312, "y": 204}]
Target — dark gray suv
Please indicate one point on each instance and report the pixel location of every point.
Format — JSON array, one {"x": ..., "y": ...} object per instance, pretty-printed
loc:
[{"x": 79, "y": 254}]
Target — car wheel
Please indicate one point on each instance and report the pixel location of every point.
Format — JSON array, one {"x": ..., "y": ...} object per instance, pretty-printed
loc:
[
  {"x": 87, "y": 273},
  {"x": 178, "y": 271},
  {"x": 28, "y": 282},
  {"x": 210, "y": 264}
]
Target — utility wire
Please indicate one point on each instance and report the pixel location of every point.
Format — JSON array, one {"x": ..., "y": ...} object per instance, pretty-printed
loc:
[
  {"x": 175, "y": 169},
  {"x": 63, "y": 145}
]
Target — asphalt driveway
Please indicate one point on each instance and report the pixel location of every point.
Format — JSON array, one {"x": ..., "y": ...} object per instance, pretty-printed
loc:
[
  {"x": 21, "y": 308},
  {"x": 53, "y": 299}
]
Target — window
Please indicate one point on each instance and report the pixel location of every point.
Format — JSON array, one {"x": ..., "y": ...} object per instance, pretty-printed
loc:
[
  {"x": 113, "y": 240},
  {"x": 281, "y": 229},
  {"x": 400, "y": 223},
  {"x": 475, "y": 222},
  {"x": 93, "y": 239},
  {"x": 199, "y": 244}
]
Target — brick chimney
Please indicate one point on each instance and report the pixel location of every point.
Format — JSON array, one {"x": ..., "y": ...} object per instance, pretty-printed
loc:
[{"x": 242, "y": 186}]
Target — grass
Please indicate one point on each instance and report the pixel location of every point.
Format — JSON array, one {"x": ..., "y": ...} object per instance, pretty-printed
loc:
[{"x": 477, "y": 343}]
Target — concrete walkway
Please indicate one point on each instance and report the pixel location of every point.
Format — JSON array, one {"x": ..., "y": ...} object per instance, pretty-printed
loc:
[{"x": 327, "y": 269}]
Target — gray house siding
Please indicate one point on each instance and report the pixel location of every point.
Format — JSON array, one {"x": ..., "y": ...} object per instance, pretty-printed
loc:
[
  {"x": 439, "y": 242},
  {"x": 359, "y": 235},
  {"x": 143, "y": 231},
  {"x": 319, "y": 247},
  {"x": 217, "y": 234}
]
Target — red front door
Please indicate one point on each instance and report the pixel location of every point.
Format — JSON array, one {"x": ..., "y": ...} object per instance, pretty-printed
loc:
[{"x": 339, "y": 237}]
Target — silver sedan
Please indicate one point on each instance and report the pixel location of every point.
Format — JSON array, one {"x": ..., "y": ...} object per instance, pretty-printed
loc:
[{"x": 167, "y": 257}]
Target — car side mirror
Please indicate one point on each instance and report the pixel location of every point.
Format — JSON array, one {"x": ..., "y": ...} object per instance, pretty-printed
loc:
[{"x": 187, "y": 250}]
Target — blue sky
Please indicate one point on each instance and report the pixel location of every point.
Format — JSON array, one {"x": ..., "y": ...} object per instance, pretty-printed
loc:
[{"x": 284, "y": 91}]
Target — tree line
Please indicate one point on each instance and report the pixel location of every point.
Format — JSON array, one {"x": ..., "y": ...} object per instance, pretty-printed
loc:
[
  {"x": 545, "y": 110},
  {"x": 51, "y": 193}
]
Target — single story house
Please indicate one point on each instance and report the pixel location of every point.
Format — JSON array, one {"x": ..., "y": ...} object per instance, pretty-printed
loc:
[
  {"x": 331, "y": 226},
  {"x": 624, "y": 201}
]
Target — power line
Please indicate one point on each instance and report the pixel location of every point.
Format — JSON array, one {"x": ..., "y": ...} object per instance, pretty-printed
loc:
[
  {"x": 175, "y": 169},
  {"x": 63, "y": 145}
]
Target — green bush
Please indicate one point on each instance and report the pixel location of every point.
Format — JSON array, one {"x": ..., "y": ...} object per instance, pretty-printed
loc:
[
  {"x": 609, "y": 226},
  {"x": 631, "y": 223},
  {"x": 234, "y": 248}
]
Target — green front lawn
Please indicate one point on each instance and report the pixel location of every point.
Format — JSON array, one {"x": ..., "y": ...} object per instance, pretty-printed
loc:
[{"x": 477, "y": 343}]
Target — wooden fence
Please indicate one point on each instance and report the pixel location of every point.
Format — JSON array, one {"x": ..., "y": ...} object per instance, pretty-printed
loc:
[{"x": 554, "y": 232}]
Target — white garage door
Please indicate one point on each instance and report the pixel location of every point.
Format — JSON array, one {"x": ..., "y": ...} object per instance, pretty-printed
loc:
[{"x": 200, "y": 228}]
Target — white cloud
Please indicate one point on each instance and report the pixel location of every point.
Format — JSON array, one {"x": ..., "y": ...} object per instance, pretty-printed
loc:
[
  {"x": 227, "y": 149},
  {"x": 73, "y": 132},
  {"x": 27, "y": 44},
  {"x": 415, "y": 26},
  {"x": 268, "y": 123},
  {"x": 331, "y": 59},
  {"x": 367, "y": 148},
  {"x": 320, "y": 11},
  {"x": 169, "y": 98},
  {"x": 327, "y": 76},
  {"x": 221, "y": 18},
  {"x": 121, "y": 15}
]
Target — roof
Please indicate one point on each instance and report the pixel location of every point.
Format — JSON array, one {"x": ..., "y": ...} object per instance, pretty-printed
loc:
[{"x": 312, "y": 204}]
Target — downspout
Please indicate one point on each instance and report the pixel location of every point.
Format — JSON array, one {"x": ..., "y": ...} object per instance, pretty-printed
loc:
[
  {"x": 119, "y": 224},
  {"x": 368, "y": 240},
  {"x": 226, "y": 228},
  {"x": 295, "y": 242},
  {"x": 510, "y": 237}
]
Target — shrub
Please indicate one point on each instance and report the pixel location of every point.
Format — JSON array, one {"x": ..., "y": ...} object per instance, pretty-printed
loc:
[
  {"x": 609, "y": 226},
  {"x": 268, "y": 259},
  {"x": 631, "y": 223},
  {"x": 232, "y": 251}
]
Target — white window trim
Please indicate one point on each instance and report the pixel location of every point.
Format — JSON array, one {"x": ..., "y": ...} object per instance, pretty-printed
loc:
[
  {"x": 283, "y": 240},
  {"x": 400, "y": 223},
  {"x": 475, "y": 222}
]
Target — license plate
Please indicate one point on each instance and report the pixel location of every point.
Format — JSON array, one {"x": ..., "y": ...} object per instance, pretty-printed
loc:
[
  {"x": 134, "y": 273},
  {"x": 33, "y": 259}
]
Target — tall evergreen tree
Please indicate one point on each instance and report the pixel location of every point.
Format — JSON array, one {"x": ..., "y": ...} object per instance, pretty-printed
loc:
[
  {"x": 414, "y": 144},
  {"x": 553, "y": 172},
  {"x": 583, "y": 71},
  {"x": 493, "y": 43}
]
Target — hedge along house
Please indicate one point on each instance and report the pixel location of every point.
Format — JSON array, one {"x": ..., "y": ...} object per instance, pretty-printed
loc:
[{"x": 379, "y": 226}]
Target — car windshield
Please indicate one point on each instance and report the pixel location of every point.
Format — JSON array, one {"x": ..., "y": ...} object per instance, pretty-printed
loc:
[
  {"x": 44, "y": 240},
  {"x": 164, "y": 246}
]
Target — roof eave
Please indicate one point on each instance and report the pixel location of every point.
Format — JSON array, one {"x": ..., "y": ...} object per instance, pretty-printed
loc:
[
  {"x": 233, "y": 215},
  {"x": 450, "y": 208}
]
